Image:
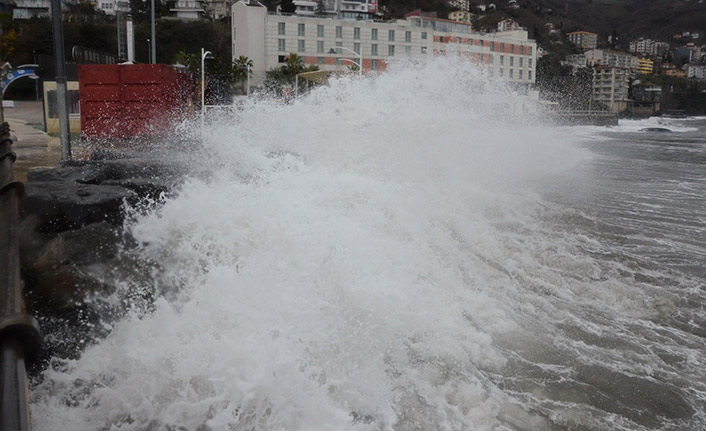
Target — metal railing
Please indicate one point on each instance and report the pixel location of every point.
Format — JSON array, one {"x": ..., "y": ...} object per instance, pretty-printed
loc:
[{"x": 19, "y": 332}]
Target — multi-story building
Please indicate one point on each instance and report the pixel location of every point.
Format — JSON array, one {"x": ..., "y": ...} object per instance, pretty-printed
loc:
[
  {"x": 606, "y": 57},
  {"x": 645, "y": 66},
  {"x": 461, "y": 16},
  {"x": 508, "y": 25},
  {"x": 583, "y": 39},
  {"x": 267, "y": 39},
  {"x": 461, "y": 5},
  {"x": 695, "y": 71},
  {"x": 649, "y": 47},
  {"x": 26, "y": 9},
  {"x": 610, "y": 87},
  {"x": 575, "y": 61},
  {"x": 188, "y": 9},
  {"x": 218, "y": 9},
  {"x": 669, "y": 69},
  {"x": 352, "y": 9},
  {"x": 112, "y": 7}
]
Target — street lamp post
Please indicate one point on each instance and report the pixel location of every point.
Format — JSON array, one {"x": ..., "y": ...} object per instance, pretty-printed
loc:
[
  {"x": 359, "y": 55},
  {"x": 204, "y": 55}
]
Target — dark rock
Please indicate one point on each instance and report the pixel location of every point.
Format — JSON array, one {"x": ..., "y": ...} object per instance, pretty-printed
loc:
[
  {"x": 64, "y": 205},
  {"x": 94, "y": 243},
  {"x": 656, "y": 129},
  {"x": 67, "y": 286}
]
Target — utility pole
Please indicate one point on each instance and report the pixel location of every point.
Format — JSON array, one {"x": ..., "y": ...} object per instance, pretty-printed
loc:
[
  {"x": 154, "y": 38},
  {"x": 60, "y": 62}
]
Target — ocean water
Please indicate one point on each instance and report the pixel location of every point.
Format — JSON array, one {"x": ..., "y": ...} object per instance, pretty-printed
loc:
[{"x": 415, "y": 251}]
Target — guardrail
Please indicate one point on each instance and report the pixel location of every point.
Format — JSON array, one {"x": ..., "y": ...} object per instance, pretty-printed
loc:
[{"x": 19, "y": 332}]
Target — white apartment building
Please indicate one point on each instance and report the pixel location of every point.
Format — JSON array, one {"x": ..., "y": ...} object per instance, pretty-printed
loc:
[
  {"x": 111, "y": 7},
  {"x": 26, "y": 9},
  {"x": 695, "y": 71},
  {"x": 583, "y": 39},
  {"x": 649, "y": 47},
  {"x": 606, "y": 57},
  {"x": 267, "y": 39},
  {"x": 610, "y": 87},
  {"x": 188, "y": 9}
]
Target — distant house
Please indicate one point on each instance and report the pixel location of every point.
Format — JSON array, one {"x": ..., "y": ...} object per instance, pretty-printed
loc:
[
  {"x": 188, "y": 9},
  {"x": 645, "y": 66},
  {"x": 583, "y": 39},
  {"x": 695, "y": 71},
  {"x": 605, "y": 57},
  {"x": 26, "y": 9},
  {"x": 461, "y": 16},
  {"x": 669, "y": 69},
  {"x": 508, "y": 25}
]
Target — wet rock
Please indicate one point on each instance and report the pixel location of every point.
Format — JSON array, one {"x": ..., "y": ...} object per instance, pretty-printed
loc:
[
  {"x": 64, "y": 205},
  {"x": 66, "y": 287}
]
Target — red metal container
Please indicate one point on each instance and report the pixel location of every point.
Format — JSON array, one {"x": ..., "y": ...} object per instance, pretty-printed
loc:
[{"x": 132, "y": 100}]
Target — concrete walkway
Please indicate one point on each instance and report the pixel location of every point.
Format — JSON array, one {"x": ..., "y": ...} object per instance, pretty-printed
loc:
[{"x": 33, "y": 147}]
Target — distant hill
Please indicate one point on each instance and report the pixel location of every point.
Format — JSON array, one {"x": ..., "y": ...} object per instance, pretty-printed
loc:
[{"x": 630, "y": 19}]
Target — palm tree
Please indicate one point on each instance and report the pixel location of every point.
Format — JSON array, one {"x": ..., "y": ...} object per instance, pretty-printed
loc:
[
  {"x": 241, "y": 69},
  {"x": 293, "y": 64}
]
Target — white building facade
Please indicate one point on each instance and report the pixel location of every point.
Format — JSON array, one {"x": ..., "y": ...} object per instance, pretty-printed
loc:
[
  {"x": 606, "y": 57},
  {"x": 610, "y": 87},
  {"x": 267, "y": 39},
  {"x": 652, "y": 48}
]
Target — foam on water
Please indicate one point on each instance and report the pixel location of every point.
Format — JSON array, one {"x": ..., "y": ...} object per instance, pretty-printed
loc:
[{"x": 373, "y": 256}]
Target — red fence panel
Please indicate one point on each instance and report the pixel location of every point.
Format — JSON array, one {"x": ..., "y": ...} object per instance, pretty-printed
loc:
[{"x": 132, "y": 100}]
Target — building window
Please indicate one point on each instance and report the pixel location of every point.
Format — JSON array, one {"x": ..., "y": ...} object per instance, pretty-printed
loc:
[
  {"x": 530, "y": 50},
  {"x": 424, "y": 50},
  {"x": 501, "y": 72},
  {"x": 470, "y": 41},
  {"x": 512, "y": 62},
  {"x": 339, "y": 62},
  {"x": 391, "y": 35},
  {"x": 356, "y": 33},
  {"x": 281, "y": 59},
  {"x": 280, "y": 28},
  {"x": 320, "y": 46},
  {"x": 521, "y": 61},
  {"x": 502, "y": 60},
  {"x": 339, "y": 32},
  {"x": 374, "y": 34},
  {"x": 511, "y": 73},
  {"x": 492, "y": 46},
  {"x": 520, "y": 73},
  {"x": 424, "y": 35},
  {"x": 502, "y": 47},
  {"x": 407, "y": 36},
  {"x": 319, "y": 60},
  {"x": 374, "y": 65},
  {"x": 408, "y": 50},
  {"x": 300, "y": 30},
  {"x": 492, "y": 59},
  {"x": 391, "y": 50},
  {"x": 529, "y": 75},
  {"x": 301, "y": 46},
  {"x": 356, "y": 47},
  {"x": 280, "y": 45},
  {"x": 529, "y": 62},
  {"x": 319, "y": 30},
  {"x": 337, "y": 45}
]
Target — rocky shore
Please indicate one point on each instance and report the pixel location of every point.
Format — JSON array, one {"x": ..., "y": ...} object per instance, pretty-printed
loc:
[{"x": 74, "y": 245}]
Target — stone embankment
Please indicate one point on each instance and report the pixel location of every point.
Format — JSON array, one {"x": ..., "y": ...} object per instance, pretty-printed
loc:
[{"x": 72, "y": 241}]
